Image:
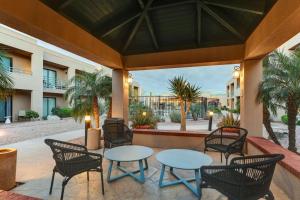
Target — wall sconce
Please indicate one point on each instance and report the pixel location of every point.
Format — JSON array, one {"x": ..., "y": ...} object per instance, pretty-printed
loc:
[
  {"x": 130, "y": 78},
  {"x": 236, "y": 72}
]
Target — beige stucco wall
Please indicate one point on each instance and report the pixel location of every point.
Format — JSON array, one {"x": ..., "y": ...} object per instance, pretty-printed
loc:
[{"x": 20, "y": 101}]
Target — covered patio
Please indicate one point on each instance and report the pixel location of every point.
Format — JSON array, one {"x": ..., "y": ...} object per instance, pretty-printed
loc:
[{"x": 139, "y": 35}]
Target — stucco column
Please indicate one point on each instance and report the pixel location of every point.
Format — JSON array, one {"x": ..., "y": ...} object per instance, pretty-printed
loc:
[
  {"x": 251, "y": 111},
  {"x": 120, "y": 98},
  {"x": 70, "y": 73},
  {"x": 37, "y": 75}
]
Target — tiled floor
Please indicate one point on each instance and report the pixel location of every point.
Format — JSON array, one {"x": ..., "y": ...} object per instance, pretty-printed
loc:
[{"x": 35, "y": 166}]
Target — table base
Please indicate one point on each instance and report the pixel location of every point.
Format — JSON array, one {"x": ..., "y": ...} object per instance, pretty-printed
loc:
[
  {"x": 196, "y": 190},
  {"x": 140, "y": 178}
]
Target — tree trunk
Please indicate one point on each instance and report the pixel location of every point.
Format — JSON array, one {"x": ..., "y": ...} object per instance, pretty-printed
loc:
[
  {"x": 109, "y": 112},
  {"x": 96, "y": 112},
  {"x": 292, "y": 109},
  {"x": 183, "y": 120},
  {"x": 267, "y": 124}
]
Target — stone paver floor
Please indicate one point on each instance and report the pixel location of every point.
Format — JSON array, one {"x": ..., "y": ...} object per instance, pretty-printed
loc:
[{"x": 35, "y": 166}]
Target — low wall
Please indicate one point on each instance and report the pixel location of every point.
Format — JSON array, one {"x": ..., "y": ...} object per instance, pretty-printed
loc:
[{"x": 287, "y": 172}]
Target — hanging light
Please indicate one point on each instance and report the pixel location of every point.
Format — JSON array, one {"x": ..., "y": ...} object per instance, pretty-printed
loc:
[
  {"x": 236, "y": 72},
  {"x": 130, "y": 78}
]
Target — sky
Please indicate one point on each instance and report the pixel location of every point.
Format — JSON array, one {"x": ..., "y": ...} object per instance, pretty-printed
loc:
[{"x": 212, "y": 79}]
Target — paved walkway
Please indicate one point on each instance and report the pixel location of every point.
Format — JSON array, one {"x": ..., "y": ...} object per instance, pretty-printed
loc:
[
  {"x": 35, "y": 166},
  {"x": 21, "y": 131}
]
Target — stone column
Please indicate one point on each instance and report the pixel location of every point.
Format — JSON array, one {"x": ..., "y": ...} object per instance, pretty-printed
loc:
[
  {"x": 37, "y": 76},
  {"x": 120, "y": 98},
  {"x": 251, "y": 111}
]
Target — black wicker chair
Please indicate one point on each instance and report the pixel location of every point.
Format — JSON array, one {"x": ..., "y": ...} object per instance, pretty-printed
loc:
[
  {"x": 116, "y": 134},
  {"x": 72, "y": 159},
  {"x": 226, "y": 140},
  {"x": 246, "y": 178}
]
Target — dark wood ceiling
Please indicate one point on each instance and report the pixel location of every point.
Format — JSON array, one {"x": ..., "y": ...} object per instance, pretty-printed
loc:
[{"x": 143, "y": 26}]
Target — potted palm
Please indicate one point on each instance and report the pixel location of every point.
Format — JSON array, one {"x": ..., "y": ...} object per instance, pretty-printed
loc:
[
  {"x": 8, "y": 156},
  {"x": 85, "y": 90},
  {"x": 186, "y": 93},
  {"x": 142, "y": 117},
  {"x": 229, "y": 121}
]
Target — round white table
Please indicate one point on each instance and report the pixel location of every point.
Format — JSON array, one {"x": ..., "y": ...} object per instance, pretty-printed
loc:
[
  {"x": 128, "y": 153},
  {"x": 183, "y": 159}
]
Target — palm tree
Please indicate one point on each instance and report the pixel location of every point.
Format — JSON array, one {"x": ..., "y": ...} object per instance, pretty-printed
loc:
[
  {"x": 186, "y": 94},
  {"x": 282, "y": 82},
  {"x": 6, "y": 83},
  {"x": 84, "y": 92}
]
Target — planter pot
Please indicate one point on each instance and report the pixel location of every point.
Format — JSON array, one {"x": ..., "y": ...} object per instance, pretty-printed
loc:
[
  {"x": 93, "y": 138},
  {"x": 8, "y": 163},
  {"x": 230, "y": 130},
  {"x": 143, "y": 127}
]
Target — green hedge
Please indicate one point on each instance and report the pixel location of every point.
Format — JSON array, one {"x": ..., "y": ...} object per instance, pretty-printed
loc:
[
  {"x": 285, "y": 119},
  {"x": 62, "y": 112},
  {"x": 30, "y": 114}
]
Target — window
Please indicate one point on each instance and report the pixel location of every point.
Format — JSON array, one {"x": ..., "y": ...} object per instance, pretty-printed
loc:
[
  {"x": 7, "y": 63},
  {"x": 49, "y": 78},
  {"x": 48, "y": 104},
  {"x": 5, "y": 109}
]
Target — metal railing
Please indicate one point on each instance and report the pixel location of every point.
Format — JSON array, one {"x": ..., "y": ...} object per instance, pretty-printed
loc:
[
  {"x": 18, "y": 69},
  {"x": 52, "y": 83}
]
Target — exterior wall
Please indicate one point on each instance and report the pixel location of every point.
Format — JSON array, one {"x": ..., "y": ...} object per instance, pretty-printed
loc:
[
  {"x": 232, "y": 93},
  {"x": 29, "y": 57},
  {"x": 20, "y": 101}
]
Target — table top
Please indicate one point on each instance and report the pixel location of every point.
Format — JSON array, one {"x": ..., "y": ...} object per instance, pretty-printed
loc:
[
  {"x": 128, "y": 153},
  {"x": 183, "y": 158}
]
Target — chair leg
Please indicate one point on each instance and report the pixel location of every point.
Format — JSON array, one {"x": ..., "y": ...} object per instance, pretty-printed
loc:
[
  {"x": 52, "y": 180},
  {"x": 102, "y": 183},
  {"x": 88, "y": 176},
  {"x": 226, "y": 156},
  {"x": 65, "y": 181},
  {"x": 221, "y": 158}
]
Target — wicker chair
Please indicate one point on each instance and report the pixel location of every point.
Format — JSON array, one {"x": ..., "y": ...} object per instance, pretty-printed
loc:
[
  {"x": 72, "y": 159},
  {"x": 226, "y": 140},
  {"x": 246, "y": 178},
  {"x": 116, "y": 134}
]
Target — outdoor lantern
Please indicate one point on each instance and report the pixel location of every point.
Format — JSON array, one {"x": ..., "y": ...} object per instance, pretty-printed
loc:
[
  {"x": 210, "y": 116},
  {"x": 87, "y": 120},
  {"x": 236, "y": 72},
  {"x": 144, "y": 114},
  {"x": 130, "y": 78}
]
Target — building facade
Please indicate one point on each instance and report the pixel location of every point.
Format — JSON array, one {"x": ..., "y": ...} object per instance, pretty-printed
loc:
[
  {"x": 233, "y": 93},
  {"x": 40, "y": 74}
]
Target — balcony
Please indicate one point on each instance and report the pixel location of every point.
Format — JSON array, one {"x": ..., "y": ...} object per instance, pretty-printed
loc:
[{"x": 54, "y": 85}]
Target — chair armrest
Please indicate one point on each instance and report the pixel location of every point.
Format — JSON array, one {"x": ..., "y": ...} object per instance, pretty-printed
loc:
[
  {"x": 70, "y": 154},
  {"x": 128, "y": 131},
  {"x": 212, "y": 135}
]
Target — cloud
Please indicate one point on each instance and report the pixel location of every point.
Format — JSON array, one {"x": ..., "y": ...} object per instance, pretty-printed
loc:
[{"x": 211, "y": 79}]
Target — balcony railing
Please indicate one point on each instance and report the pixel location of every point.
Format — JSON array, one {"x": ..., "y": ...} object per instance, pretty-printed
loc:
[
  {"x": 20, "y": 70},
  {"x": 54, "y": 84}
]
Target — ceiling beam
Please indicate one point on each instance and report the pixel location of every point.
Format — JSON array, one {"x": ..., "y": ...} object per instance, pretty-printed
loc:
[
  {"x": 120, "y": 25},
  {"x": 137, "y": 25},
  {"x": 231, "y": 54},
  {"x": 65, "y": 4},
  {"x": 220, "y": 20},
  {"x": 233, "y": 7},
  {"x": 172, "y": 4},
  {"x": 149, "y": 25},
  {"x": 199, "y": 18}
]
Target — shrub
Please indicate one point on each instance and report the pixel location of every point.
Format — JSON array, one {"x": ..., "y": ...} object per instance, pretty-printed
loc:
[
  {"x": 285, "y": 119},
  {"x": 143, "y": 116},
  {"x": 30, "y": 114},
  {"x": 62, "y": 112},
  {"x": 175, "y": 116},
  {"x": 229, "y": 120},
  {"x": 195, "y": 111},
  {"x": 160, "y": 118}
]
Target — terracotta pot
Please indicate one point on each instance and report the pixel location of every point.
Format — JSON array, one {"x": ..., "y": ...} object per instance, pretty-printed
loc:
[
  {"x": 230, "y": 130},
  {"x": 143, "y": 127},
  {"x": 8, "y": 164},
  {"x": 93, "y": 138}
]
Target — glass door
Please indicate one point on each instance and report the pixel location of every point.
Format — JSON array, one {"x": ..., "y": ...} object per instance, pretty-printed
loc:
[
  {"x": 49, "y": 77},
  {"x": 5, "y": 109},
  {"x": 48, "y": 104}
]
